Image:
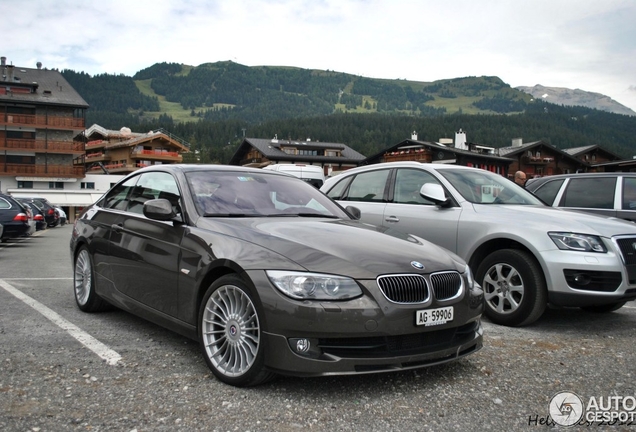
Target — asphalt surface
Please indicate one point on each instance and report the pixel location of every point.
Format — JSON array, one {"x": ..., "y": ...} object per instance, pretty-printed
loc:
[{"x": 52, "y": 378}]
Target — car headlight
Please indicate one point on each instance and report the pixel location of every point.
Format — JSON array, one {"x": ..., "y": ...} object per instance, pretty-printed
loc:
[
  {"x": 314, "y": 286},
  {"x": 578, "y": 242}
]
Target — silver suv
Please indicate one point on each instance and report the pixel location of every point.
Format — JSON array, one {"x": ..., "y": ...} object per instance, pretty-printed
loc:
[{"x": 524, "y": 254}]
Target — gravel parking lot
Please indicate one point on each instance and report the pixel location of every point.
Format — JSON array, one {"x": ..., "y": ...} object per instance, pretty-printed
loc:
[{"x": 51, "y": 379}]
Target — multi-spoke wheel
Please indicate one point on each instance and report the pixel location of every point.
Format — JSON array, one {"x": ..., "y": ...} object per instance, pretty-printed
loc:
[
  {"x": 230, "y": 333},
  {"x": 84, "y": 283},
  {"x": 514, "y": 287}
]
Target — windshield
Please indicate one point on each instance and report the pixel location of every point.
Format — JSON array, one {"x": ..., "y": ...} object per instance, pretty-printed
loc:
[
  {"x": 241, "y": 194},
  {"x": 484, "y": 187}
]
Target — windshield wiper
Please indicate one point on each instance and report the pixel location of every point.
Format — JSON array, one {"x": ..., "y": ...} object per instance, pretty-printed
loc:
[{"x": 316, "y": 215}]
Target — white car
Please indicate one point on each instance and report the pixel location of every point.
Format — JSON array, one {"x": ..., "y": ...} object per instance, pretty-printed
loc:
[{"x": 523, "y": 253}]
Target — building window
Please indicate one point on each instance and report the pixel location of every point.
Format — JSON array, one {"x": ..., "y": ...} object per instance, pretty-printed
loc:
[
  {"x": 291, "y": 151},
  {"x": 56, "y": 185},
  {"x": 25, "y": 184},
  {"x": 87, "y": 185}
]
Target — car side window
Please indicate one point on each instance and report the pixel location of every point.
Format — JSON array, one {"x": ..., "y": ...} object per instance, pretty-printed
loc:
[
  {"x": 368, "y": 186},
  {"x": 629, "y": 193},
  {"x": 548, "y": 192},
  {"x": 117, "y": 198},
  {"x": 338, "y": 189},
  {"x": 597, "y": 192},
  {"x": 4, "y": 204},
  {"x": 408, "y": 183},
  {"x": 153, "y": 185}
]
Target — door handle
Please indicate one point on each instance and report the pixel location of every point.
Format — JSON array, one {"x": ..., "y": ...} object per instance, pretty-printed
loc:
[{"x": 392, "y": 219}]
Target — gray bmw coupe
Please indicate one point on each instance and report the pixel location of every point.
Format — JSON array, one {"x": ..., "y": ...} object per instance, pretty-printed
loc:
[{"x": 271, "y": 276}]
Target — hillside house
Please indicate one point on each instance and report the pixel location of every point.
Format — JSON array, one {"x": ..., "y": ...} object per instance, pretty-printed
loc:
[
  {"x": 457, "y": 151},
  {"x": 539, "y": 158},
  {"x": 332, "y": 157},
  {"x": 122, "y": 151}
]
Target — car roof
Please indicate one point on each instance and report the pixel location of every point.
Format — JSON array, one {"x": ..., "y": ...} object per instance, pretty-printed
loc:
[
  {"x": 184, "y": 168},
  {"x": 541, "y": 180}
]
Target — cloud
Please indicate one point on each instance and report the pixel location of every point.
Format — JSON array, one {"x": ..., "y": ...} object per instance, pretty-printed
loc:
[{"x": 585, "y": 44}]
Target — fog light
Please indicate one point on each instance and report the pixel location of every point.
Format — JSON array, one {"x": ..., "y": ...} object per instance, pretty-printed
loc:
[
  {"x": 582, "y": 279},
  {"x": 302, "y": 345}
]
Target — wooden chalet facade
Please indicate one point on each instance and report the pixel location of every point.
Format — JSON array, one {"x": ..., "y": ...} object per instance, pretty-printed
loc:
[
  {"x": 123, "y": 151},
  {"x": 540, "y": 159},
  {"x": 332, "y": 157},
  {"x": 472, "y": 155},
  {"x": 40, "y": 114}
]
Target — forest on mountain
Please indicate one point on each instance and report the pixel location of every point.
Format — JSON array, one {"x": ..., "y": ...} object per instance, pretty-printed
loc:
[{"x": 214, "y": 105}]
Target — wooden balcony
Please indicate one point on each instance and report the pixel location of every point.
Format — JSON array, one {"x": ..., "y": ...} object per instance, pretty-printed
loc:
[
  {"x": 43, "y": 146},
  {"x": 157, "y": 155},
  {"x": 41, "y": 121},
  {"x": 97, "y": 157},
  {"x": 41, "y": 170},
  {"x": 412, "y": 155},
  {"x": 537, "y": 160},
  {"x": 95, "y": 144}
]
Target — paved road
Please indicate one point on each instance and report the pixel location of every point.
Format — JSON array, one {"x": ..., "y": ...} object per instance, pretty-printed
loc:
[{"x": 52, "y": 377}]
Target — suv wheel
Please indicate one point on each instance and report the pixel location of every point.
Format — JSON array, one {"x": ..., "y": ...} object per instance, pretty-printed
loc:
[{"x": 514, "y": 287}]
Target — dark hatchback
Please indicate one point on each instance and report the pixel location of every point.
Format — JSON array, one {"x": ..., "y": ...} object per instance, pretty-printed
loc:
[
  {"x": 38, "y": 214},
  {"x": 14, "y": 218},
  {"x": 271, "y": 276}
]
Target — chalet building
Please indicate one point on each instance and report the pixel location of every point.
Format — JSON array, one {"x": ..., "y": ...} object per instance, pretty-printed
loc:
[
  {"x": 457, "y": 151},
  {"x": 122, "y": 151},
  {"x": 40, "y": 114},
  {"x": 539, "y": 158},
  {"x": 332, "y": 157},
  {"x": 602, "y": 160}
]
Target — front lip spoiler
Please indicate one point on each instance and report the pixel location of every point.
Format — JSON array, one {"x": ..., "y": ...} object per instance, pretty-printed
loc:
[{"x": 279, "y": 353}]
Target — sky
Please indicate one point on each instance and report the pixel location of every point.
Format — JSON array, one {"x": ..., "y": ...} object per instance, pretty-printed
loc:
[{"x": 577, "y": 44}]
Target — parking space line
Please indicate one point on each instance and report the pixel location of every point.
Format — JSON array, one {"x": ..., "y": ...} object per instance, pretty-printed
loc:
[{"x": 111, "y": 357}]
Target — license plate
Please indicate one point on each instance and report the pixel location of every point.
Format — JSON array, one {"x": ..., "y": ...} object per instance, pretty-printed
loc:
[{"x": 431, "y": 317}]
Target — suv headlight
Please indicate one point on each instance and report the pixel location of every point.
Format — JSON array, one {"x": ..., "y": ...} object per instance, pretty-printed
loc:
[
  {"x": 314, "y": 286},
  {"x": 578, "y": 242}
]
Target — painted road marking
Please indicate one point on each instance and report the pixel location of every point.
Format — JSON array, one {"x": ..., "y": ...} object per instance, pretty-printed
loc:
[{"x": 111, "y": 357}]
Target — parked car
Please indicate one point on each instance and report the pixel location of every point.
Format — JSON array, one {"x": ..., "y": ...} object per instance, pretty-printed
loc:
[
  {"x": 51, "y": 215},
  {"x": 30, "y": 217},
  {"x": 271, "y": 276},
  {"x": 525, "y": 254},
  {"x": 14, "y": 218},
  {"x": 38, "y": 214},
  {"x": 607, "y": 194},
  {"x": 313, "y": 174},
  {"x": 62, "y": 215}
]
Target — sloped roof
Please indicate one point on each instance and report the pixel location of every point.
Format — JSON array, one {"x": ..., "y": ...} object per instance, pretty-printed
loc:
[
  {"x": 271, "y": 149},
  {"x": 578, "y": 150},
  {"x": 439, "y": 146},
  {"x": 126, "y": 138},
  {"x": 505, "y": 151},
  {"x": 50, "y": 87}
]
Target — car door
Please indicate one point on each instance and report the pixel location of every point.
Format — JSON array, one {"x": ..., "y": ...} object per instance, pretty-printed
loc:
[
  {"x": 409, "y": 212},
  {"x": 367, "y": 191},
  {"x": 591, "y": 194},
  {"x": 145, "y": 253}
]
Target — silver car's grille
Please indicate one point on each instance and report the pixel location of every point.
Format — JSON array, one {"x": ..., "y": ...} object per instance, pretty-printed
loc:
[
  {"x": 404, "y": 288},
  {"x": 628, "y": 249},
  {"x": 446, "y": 285}
]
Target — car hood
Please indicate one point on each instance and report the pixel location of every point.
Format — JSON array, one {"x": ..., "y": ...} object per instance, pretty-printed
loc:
[
  {"x": 339, "y": 247},
  {"x": 555, "y": 219}
]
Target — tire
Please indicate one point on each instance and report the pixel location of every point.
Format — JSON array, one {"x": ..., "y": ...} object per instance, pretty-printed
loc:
[
  {"x": 230, "y": 333},
  {"x": 604, "y": 308},
  {"x": 514, "y": 287},
  {"x": 84, "y": 283}
]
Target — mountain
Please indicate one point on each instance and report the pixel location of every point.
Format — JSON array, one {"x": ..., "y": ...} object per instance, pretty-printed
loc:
[
  {"x": 577, "y": 97},
  {"x": 214, "y": 105}
]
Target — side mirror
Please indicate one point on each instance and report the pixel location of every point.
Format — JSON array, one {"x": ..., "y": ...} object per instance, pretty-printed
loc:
[
  {"x": 354, "y": 212},
  {"x": 434, "y": 192},
  {"x": 159, "y": 209}
]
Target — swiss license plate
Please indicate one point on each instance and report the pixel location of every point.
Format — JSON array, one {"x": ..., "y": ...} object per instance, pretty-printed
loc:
[{"x": 431, "y": 317}]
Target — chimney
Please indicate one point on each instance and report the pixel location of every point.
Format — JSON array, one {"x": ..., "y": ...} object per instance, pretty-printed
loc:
[
  {"x": 460, "y": 140},
  {"x": 414, "y": 136},
  {"x": 39, "y": 65},
  {"x": 3, "y": 61},
  {"x": 517, "y": 142}
]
